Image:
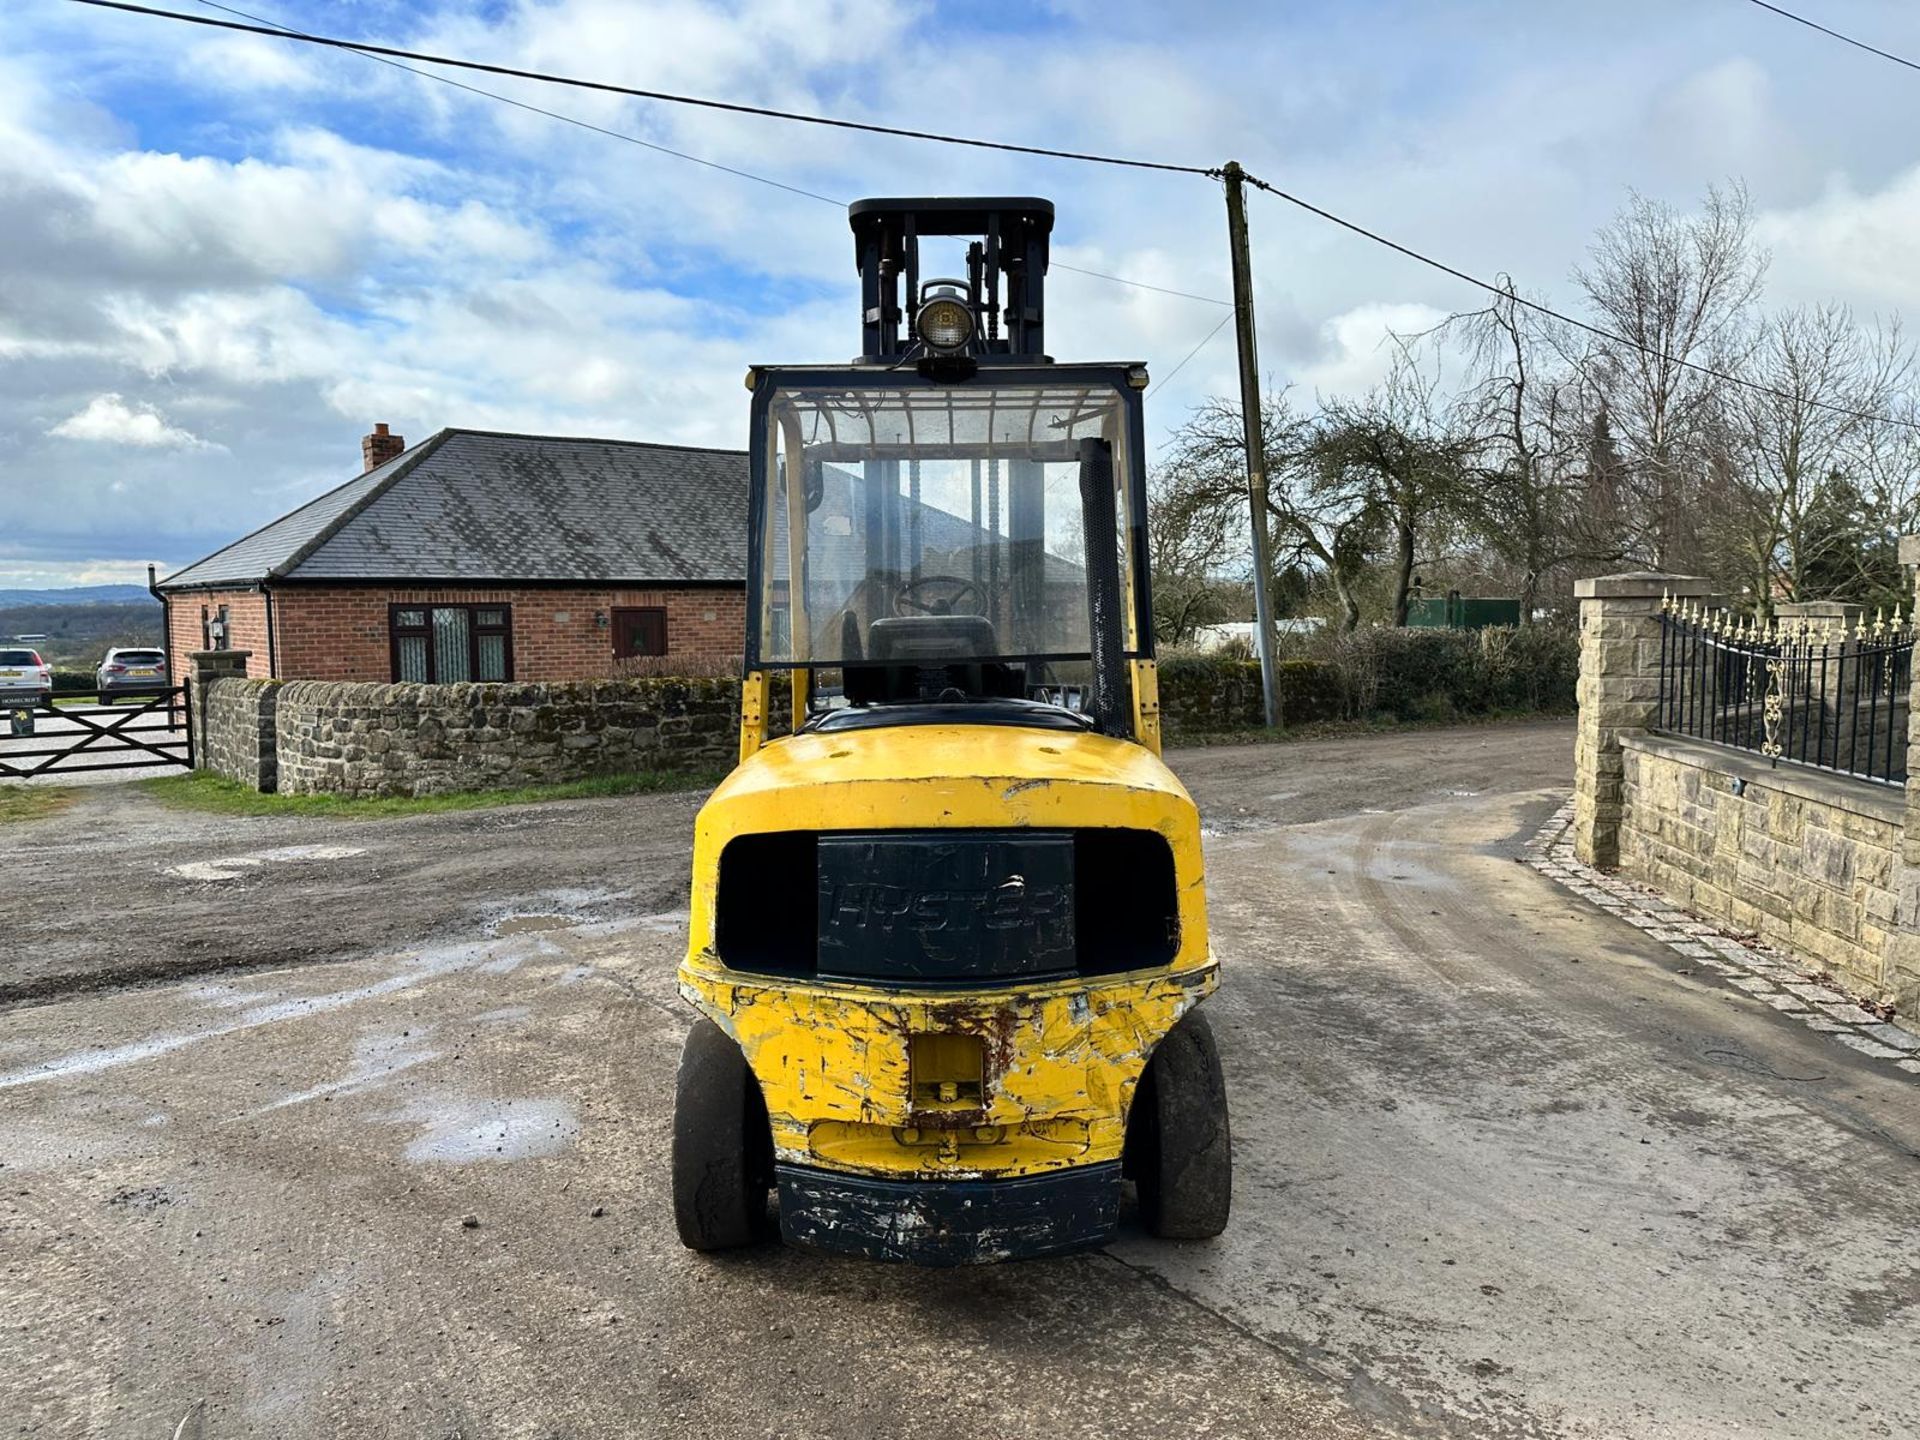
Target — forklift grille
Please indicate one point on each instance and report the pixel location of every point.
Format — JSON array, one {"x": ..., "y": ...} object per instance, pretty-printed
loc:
[{"x": 947, "y": 907}]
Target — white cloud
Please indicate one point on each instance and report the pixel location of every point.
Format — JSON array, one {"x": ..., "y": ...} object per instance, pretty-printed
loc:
[
  {"x": 1855, "y": 245},
  {"x": 297, "y": 243},
  {"x": 1359, "y": 346},
  {"x": 109, "y": 419},
  {"x": 24, "y": 574}
]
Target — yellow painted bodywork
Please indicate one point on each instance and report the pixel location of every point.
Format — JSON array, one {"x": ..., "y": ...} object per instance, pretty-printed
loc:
[{"x": 1061, "y": 1059}]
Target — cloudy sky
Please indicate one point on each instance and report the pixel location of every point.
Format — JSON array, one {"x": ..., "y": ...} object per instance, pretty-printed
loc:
[{"x": 223, "y": 258}]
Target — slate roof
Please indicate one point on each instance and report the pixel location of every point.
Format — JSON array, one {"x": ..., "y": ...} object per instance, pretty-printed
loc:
[{"x": 481, "y": 506}]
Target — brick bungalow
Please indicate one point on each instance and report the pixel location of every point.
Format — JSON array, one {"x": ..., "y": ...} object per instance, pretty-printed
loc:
[{"x": 478, "y": 555}]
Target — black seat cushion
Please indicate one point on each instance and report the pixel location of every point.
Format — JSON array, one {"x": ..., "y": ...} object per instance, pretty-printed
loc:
[{"x": 931, "y": 638}]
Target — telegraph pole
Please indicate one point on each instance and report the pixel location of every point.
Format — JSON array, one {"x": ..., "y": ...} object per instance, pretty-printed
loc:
[{"x": 1256, "y": 436}]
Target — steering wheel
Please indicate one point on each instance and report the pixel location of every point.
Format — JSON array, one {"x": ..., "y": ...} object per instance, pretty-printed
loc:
[{"x": 906, "y": 599}]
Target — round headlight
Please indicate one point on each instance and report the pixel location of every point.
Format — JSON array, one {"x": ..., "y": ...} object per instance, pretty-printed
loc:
[{"x": 944, "y": 323}]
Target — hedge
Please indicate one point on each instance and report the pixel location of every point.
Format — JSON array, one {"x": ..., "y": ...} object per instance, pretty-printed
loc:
[{"x": 1381, "y": 673}]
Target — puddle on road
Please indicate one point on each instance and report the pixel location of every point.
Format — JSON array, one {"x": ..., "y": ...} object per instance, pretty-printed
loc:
[
  {"x": 532, "y": 924},
  {"x": 424, "y": 966},
  {"x": 463, "y": 1132},
  {"x": 379, "y": 1055},
  {"x": 246, "y": 1007},
  {"x": 232, "y": 867}
]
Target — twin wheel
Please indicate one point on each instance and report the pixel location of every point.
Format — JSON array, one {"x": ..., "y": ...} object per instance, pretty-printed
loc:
[{"x": 1178, "y": 1148}]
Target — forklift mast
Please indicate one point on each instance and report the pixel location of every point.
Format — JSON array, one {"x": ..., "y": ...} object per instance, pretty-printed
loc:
[{"x": 1005, "y": 285}]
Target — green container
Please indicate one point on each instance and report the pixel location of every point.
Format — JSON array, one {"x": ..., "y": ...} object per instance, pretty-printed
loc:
[{"x": 1454, "y": 611}]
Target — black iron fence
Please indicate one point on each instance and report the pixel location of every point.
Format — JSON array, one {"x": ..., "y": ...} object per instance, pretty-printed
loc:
[{"x": 1824, "y": 693}]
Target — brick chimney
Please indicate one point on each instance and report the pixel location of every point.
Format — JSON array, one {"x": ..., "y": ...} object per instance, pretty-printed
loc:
[{"x": 379, "y": 447}]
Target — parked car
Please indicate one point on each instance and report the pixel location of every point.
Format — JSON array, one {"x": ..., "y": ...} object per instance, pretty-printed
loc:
[
  {"x": 25, "y": 681},
  {"x": 131, "y": 672}
]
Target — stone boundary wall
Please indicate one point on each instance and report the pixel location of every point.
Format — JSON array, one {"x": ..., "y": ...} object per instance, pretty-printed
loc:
[
  {"x": 1809, "y": 862},
  {"x": 1821, "y": 864},
  {"x": 235, "y": 721},
  {"x": 354, "y": 738}
]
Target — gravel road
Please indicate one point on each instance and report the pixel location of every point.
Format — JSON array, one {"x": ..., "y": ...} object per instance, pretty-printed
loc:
[{"x": 1504, "y": 1168}]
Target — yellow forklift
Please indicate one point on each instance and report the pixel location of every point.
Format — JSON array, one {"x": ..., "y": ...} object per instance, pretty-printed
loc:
[{"x": 948, "y": 933}]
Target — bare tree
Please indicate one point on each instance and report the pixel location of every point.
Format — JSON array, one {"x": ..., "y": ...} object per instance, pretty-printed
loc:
[
  {"x": 1322, "y": 517},
  {"x": 1395, "y": 445},
  {"x": 1543, "y": 461},
  {"x": 1680, "y": 289},
  {"x": 1189, "y": 547},
  {"x": 1824, "y": 379}
]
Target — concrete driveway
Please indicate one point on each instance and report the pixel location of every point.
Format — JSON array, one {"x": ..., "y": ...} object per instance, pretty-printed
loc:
[{"x": 1503, "y": 1169}]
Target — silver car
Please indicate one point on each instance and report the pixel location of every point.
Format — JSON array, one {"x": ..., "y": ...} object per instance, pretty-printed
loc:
[
  {"x": 131, "y": 672},
  {"x": 25, "y": 681}
]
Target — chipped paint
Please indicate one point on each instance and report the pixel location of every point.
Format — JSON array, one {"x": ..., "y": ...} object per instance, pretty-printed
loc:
[
  {"x": 833, "y": 1063},
  {"x": 1062, "y": 1059}
]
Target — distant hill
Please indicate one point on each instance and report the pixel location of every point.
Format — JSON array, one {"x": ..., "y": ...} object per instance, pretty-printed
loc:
[
  {"x": 78, "y": 635},
  {"x": 79, "y": 595}
]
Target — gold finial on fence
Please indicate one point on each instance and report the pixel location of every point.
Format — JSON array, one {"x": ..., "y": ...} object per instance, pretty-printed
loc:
[
  {"x": 1666, "y": 602},
  {"x": 1879, "y": 622}
]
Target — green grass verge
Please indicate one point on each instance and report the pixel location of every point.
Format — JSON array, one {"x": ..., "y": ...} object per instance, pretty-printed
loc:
[
  {"x": 214, "y": 795},
  {"x": 33, "y": 802}
]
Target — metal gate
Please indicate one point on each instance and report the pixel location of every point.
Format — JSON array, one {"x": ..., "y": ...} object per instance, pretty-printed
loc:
[{"x": 65, "y": 734}]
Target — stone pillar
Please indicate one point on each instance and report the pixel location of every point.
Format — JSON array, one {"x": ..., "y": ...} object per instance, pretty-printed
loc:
[
  {"x": 1902, "y": 975},
  {"x": 1618, "y": 694},
  {"x": 208, "y": 666}
]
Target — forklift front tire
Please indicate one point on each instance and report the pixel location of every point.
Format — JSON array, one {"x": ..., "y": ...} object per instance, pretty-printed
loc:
[
  {"x": 722, "y": 1148},
  {"x": 1180, "y": 1150}
]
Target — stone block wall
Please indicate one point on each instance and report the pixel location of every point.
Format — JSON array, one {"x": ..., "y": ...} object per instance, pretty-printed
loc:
[
  {"x": 1205, "y": 693},
  {"x": 348, "y": 738},
  {"x": 234, "y": 721},
  {"x": 1809, "y": 862},
  {"x": 1903, "y": 950},
  {"x": 1823, "y": 865},
  {"x": 1617, "y": 693}
]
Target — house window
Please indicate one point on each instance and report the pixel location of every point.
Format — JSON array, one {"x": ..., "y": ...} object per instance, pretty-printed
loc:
[
  {"x": 443, "y": 644},
  {"x": 639, "y": 632}
]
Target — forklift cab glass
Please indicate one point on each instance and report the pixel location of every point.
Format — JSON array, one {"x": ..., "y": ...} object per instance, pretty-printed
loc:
[{"x": 941, "y": 536}]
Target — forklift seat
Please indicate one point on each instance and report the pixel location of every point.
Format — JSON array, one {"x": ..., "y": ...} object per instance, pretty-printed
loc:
[{"x": 916, "y": 639}]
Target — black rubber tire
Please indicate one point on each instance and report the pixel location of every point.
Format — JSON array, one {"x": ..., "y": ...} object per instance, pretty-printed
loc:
[
  {"x": 1179, "y": 1144},
  {"x": 722, "y": 1148}
]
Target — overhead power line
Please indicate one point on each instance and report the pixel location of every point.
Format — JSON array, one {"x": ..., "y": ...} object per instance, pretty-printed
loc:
[
  {"x": 1510, "y": 293},
  {"x": 1844, "y": 39},
  {"x": 731, "y": 106},
  {"x": 1507, "y": 292},
  {"x": 288, "y": 32},
  {"x": 1160, "y": 380}
]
